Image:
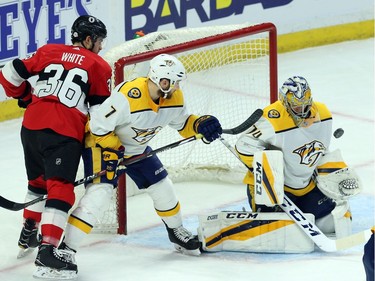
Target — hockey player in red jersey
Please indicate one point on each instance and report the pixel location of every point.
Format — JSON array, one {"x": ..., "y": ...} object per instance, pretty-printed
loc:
[{"x": 70, "y": 79}]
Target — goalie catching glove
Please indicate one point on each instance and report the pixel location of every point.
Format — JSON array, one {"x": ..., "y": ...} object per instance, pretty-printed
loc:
[
  {"x": 111, "y": 159},
  {"x": 335, "y": 179},
  {"x": 209, "y": 127}
]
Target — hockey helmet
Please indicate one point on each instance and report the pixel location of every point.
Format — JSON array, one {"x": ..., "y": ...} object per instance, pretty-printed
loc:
[
  {"x": 166, "y": 67},
  {"x": 85, "y": 26},
  {"x": 295, "y": 95}
]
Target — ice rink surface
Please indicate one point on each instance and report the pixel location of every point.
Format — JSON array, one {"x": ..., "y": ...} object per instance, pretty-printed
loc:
[{"x": 341, "y": 76}]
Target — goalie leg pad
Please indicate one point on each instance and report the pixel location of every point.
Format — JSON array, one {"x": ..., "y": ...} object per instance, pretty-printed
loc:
[
  {"x": 342, "y": 219},
  {"x": 252, "y": 232},
  {"x": 338, "y": 223},
  {"x": 268, "y": 170}
]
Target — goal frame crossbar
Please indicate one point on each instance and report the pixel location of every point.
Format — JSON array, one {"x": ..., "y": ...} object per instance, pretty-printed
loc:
[{"x": 210, "y": 40}]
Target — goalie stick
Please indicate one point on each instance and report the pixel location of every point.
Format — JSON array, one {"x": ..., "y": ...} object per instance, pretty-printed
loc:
[
  {"x": 310, "y": 229},
  {"x": 14, "y": 206}
]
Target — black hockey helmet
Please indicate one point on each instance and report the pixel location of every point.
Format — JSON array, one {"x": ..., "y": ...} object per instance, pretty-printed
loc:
[{"x": 88, "y": 25}]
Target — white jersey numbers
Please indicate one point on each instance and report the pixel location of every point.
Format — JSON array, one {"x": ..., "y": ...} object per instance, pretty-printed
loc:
[{"x": 69, "y": 86}]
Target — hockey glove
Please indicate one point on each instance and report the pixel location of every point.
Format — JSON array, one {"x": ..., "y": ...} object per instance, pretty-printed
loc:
[
  {"x": 111, "y": 158},
  {"x": 209, "y": 127},
  {"x": 26, "y": 98}
]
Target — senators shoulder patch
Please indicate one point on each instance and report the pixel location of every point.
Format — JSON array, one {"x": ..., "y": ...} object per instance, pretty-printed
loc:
[
  {"x": 273, "y": 113},
  {"x": 134, "y": 93}
]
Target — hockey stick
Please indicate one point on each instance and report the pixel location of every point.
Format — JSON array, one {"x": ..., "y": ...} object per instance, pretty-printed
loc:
[
  {"x": 246, "y": 124},
  {"x": 310, "y": 229},
  {"x": 137, "y": 158},
  {"x": 14, "y": 206}
]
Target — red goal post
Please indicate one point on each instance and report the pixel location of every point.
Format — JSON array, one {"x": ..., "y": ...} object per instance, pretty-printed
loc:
[{"x": 232, "y": 70}]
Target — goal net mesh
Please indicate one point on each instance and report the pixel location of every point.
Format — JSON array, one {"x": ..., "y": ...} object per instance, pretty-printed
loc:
[{"x": 231, "y": 71}]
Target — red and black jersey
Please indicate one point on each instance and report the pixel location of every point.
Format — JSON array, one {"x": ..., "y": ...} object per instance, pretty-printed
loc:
[{"x": 69, "y": 80}]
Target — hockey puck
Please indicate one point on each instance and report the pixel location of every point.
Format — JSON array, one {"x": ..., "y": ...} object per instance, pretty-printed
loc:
[{"x": 338, "y": 133}]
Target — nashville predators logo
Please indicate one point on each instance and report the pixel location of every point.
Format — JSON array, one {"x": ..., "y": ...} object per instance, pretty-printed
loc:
[
  {"x": 145, "y": 135},
  {"x": 134, "y": 93},
  {"x": 273, "y": 113},
  {"x": 310, "y": 153}
]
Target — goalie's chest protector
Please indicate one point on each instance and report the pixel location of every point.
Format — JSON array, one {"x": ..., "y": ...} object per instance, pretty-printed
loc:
[{"x": 302, "y": 146}]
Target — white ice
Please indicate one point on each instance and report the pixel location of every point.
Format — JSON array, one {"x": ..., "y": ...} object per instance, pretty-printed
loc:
[{"x": 340, "y": 75}]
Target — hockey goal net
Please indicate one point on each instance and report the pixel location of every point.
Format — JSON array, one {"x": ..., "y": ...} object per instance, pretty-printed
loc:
[{"x": 231, "y": 70}]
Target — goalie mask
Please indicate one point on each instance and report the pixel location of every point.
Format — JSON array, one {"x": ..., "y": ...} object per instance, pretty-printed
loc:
[
  {"x": 295, "y": 95},
  {"x": 85, "y": 26},
  {"x": 166, "y": 67}
]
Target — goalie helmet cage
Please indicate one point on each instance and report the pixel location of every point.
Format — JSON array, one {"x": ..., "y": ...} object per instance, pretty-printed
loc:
[{"x": 231, "y": 69}]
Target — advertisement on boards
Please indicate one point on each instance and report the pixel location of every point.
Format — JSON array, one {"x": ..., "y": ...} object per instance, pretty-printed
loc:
[{"x": 28, "y": 24}]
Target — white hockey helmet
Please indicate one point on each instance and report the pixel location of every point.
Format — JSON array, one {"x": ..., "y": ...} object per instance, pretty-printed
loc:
[
  {"x": 295, "y": 95},
  {"x": 166, "y": 67}
]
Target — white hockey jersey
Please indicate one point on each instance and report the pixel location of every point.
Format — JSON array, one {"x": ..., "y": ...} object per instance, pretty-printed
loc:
[
  {"x": 302, "y": 147},
  {"x": 135, "y": 118}
]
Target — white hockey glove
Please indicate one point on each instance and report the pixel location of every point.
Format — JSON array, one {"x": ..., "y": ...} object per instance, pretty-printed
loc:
[{"x": 341, "y": 184}]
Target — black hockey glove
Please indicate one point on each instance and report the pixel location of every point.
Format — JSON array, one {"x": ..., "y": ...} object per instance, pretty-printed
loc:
[
  {"x": 209, "y": 127},
  {"x": 26, "y": 98}
]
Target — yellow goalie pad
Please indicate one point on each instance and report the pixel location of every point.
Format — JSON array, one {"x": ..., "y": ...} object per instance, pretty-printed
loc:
[
  {"x": 252, "y": 232},
  {"x": 268, "y": 168}
]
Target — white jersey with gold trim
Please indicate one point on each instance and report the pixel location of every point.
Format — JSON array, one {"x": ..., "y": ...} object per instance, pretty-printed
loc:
[
  {"x": 302, "y": 146},
  {"x": 135, "y": 118}
]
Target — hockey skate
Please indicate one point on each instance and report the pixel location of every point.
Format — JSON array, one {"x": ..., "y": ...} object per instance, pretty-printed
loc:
[
  {"x": 68, "y": 253},
  {"x": 53, "y": 263},
  {"x": 184, "y": 241},
  {"x": 29, "y": 238}
]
